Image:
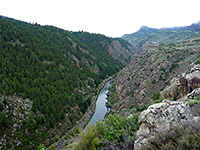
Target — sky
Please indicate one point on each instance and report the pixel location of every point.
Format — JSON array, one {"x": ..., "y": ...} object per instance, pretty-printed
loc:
[{"x": 112, "y": 18}]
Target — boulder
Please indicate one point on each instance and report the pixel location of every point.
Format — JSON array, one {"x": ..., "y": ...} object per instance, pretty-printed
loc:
[
  {"x": 184, "y": 83},
  {"x": 180, "y": 87},
  {"x": 172, "y": 89},
  {"x": 194, "y": 93},
  {"x": 159, "y": 117}
]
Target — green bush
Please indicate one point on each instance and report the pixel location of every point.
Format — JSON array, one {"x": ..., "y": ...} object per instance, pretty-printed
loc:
[
  {"x": 3, "y": 120},
  {"x": 52, "y": 147},
  {"x": 197, "y": 61},
  {"x": 41, "y": 147},
  {"x": 153, "y": 82},
  {"x": 197, "y": 97},
  {"x": 77, "y": 131},
  {"x": 118, "y": 132},
  {"x": 174, "y": 65},
  {"x": 66, "y": 137},
  {"x": 193, "y": 102},
  {"x": 56, "y": 138},
  {"x": 88, "y": 140},
  {"x": 71, "y": 133},
  {"x": 115, "y": 132},
  {"x": 155, "y": 95},
  {"x": 1, "y": 106},
  {"x": 66, "y": 144}
]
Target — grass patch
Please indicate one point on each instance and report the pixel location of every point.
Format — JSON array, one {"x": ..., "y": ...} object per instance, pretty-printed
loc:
[{"x": 193, "y": 102}]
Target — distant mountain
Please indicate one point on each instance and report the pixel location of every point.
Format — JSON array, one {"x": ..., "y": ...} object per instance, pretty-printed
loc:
[
  {"x": 48, "y": 79},
  {"x": 144, "y": 31},
  {"x": 148, "y": 35},
  {"x": 195, "y": 27}
]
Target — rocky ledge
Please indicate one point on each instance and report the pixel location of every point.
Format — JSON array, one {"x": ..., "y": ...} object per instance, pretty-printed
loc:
[
  {"x": 159, "y": 117},
  {"x": 185, "y": 84}
]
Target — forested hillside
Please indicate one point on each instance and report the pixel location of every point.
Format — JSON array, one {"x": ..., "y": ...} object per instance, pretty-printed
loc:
[
  {"x": 119, "y": 50},
  {"x": 47, "y": 80}
]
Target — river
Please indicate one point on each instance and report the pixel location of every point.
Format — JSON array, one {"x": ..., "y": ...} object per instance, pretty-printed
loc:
[{"x": 101, "y": 109}]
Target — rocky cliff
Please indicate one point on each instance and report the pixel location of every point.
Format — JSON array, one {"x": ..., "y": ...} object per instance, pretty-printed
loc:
[
  {"x": 170, "y": 117},
  {"x": 152, "y": 71},
  {"x": 186, "y": 83},
  {"x": 162, "y": 117}
]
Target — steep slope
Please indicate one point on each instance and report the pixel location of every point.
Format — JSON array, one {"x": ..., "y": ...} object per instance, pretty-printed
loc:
[
  {"x": 47, "y": 81},
  {"x": 162, "y": 36},
  {"x": 151, "y": 71},
  {"x": 120, "y": 50}
]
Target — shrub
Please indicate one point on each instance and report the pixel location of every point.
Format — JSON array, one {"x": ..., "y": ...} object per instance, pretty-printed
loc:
[
  {"x": 88, "y": 140},
  {"x": 197, "y": 61},
  {"x": 115, "y": 132},
  {"x": 156, "y": 95},
  {"x": 66, "y": 137},
  {"x": 197, "y": 97},
  {"x": 183, "y": 137},
  {"x": 193, "y": 102},
  {"x": 174, "y": 65},
  {"x": 77, "y": 131},
  {"x": 1, "y": 106},
  {"x": 71, "y": 133},
  {"x": 52, "y": 147},
  {"x": 153, "y": 82},
  {"x": 118, "y": 132},
  {"x": 41, "y": 147},
  {"x": 3, "y": 120},
  {"x": 56, "y": 138},
  {"x": 66, "y": 144}
]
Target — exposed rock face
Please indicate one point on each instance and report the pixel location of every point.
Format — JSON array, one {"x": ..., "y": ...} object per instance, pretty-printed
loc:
[
  {"x": 152, "y": 71},
  {"x": 118, "y": 52},
  {"x": 184, "y": 85},
  {"x": 194, "y": 93},
  {"x": 160, "y": 117}
]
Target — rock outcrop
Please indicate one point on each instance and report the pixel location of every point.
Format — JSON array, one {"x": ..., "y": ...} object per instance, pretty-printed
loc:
[
  {"x": 153, "y": 70},
  {"x": 180, "y": 87},
  {"x": 160, "y": 117}
]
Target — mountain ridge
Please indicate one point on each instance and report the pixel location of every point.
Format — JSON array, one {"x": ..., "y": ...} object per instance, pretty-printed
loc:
[{"x": 148, "y": 35}]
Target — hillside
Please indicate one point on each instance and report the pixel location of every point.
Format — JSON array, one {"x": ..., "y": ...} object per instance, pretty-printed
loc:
[
  {"x": 148, "y": 35},
  {"x": 120, "y": 50},
  {"x": 48, "y": 78},
  {"x": 151, "y": 72}
]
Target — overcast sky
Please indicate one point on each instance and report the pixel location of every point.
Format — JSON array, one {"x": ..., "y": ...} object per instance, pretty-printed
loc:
[{"x": 112, "y": 18}]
